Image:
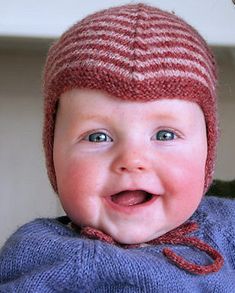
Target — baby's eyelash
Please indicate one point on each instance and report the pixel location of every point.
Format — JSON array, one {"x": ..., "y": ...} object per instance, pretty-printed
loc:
[
  {"x": 98, "y": 137},
  {"x": 165, "y": 135}
]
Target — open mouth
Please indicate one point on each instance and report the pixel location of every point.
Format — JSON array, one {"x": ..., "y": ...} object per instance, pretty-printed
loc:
[{"x": 129, "y": 198}]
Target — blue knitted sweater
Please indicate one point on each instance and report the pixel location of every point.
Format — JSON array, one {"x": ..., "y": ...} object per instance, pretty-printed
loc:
[{"x": 46, "y": 256}]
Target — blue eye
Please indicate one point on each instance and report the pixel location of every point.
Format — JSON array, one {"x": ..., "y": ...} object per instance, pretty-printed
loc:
[
  {"x": 165, "y": 135},
  {"x": 99, "y": 137}
]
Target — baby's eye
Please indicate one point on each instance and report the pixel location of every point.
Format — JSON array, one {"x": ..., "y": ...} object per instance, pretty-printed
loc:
[
  {"x": 98, "y": 137},
  {"x": 165, "y": 135}
]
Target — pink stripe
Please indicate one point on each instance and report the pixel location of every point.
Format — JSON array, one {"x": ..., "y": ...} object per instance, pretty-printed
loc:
[
  {"x": 138, "y": 76},
  {"x": 117, "y": 59},
  {"x": 106, "y": 23},
  {"x": 130, "y": 17},
  {"x": 117, "y": 45},
  {"x": 118, "y": 52}
]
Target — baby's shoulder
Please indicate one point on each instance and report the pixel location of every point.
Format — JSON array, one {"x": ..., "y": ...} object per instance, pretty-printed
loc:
[
  {"x": 42, "y": 226},
  {"x": 36, "y": 233},
  {"x": 220, "y": 211}
]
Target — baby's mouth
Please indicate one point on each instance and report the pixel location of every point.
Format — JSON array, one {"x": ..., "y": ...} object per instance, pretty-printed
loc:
[{"x": 130, "y": 198}]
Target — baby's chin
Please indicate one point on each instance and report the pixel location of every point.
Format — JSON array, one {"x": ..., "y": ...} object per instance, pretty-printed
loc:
[{"x": 135, "y": 237}]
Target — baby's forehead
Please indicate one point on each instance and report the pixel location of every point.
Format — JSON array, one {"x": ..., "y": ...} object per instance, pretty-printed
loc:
[
  {"x": 92, "y": 103},
  {"x": 86, "y": 95}
]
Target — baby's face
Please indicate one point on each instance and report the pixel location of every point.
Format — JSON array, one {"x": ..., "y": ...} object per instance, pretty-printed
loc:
[{"x": 131, "y": 169}]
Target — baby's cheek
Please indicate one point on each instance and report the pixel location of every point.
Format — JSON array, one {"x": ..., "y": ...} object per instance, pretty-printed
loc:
[
  {"x": 78, "y": 176},
  {"x": 190, "y": 170},
  {"x": 187, "y": 185},
  {"x": 193, "y": 177},
  {"x": 76, "y": 192}
]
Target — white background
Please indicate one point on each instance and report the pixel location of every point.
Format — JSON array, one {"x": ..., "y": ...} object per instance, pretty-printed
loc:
[{"x": 215, "y": 19}]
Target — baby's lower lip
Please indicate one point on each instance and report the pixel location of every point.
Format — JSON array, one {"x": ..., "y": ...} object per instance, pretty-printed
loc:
[{"x": 130, "y": 205}]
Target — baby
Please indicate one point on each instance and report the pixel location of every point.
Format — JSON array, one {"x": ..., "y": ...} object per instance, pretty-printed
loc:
[{"x": 130, "y": 138}]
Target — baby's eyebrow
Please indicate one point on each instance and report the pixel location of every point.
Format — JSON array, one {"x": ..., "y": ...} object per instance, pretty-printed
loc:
[
  {"x": 163, "y": 116},
  {"x": 95, "y": 116},
  {"x": 166, "y": 116}
]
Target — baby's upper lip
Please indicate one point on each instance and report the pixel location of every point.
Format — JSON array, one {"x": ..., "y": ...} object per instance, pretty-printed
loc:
[
  {"x": 128, "y": 188},
  {"x": 131, "y": 197}
]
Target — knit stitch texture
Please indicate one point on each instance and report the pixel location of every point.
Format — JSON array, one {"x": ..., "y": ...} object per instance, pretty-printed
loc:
[{"x": 47, "y": 256}]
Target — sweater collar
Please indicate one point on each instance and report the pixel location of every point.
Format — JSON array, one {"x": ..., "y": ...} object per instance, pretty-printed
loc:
[{"x": 178, "y": 236}]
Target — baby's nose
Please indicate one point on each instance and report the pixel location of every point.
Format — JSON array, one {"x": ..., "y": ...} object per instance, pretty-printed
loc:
[{"x": 131, "y": 161}]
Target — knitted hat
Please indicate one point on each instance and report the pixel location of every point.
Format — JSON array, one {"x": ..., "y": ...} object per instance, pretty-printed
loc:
[{"x": 134, "y": 52}]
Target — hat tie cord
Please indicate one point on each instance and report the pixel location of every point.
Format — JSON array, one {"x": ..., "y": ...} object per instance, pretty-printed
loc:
[{"x": 177, "y": 236}]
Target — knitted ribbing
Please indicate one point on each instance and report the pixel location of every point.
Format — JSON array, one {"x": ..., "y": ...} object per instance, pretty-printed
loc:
[
  {"x": 47, "y": 256},
  {"x": 134, "y": 52}
]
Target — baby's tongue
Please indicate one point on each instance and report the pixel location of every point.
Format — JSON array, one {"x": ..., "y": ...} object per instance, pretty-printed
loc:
[{"x": 129, "y": 197}]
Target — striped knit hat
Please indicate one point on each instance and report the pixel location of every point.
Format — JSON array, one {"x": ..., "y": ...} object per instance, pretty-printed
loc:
[{"x": 134, "y": 52}]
